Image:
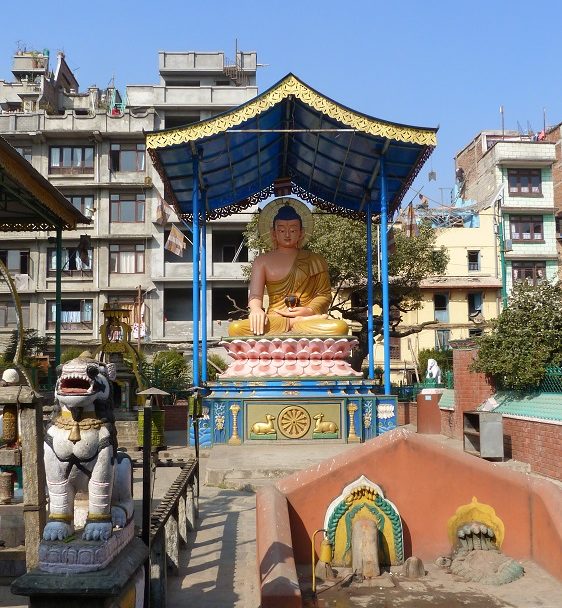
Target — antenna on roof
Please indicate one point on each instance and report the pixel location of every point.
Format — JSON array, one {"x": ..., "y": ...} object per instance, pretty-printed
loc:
[{"x": 502, "y": 120}]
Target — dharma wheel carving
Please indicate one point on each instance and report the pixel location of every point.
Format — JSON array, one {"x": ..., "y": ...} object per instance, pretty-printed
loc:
[{"x": 294, "y": 422}]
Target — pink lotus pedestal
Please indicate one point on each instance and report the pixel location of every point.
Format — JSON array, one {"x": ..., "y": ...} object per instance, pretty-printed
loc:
[{"x": 289, "y": 357}]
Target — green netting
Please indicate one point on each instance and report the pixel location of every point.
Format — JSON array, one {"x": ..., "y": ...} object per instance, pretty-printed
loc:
[{"x": 552, "y": 381}]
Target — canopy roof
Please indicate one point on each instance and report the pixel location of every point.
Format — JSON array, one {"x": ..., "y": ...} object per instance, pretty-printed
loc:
[
  {"x": 28, "y": 201},
  {"x": 330, "y": 153}
]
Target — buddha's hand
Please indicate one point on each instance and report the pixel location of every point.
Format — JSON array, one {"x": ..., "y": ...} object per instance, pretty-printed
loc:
[
  {"x": 296, "y": 311},
  {"x": 257, "y": 321}
]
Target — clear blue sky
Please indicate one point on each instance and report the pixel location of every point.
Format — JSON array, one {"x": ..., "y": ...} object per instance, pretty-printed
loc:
[{"x": 420, "y": 62}]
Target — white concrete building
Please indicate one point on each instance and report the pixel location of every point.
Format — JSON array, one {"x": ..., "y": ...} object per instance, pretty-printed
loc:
[{"x": 90, "y": 145}]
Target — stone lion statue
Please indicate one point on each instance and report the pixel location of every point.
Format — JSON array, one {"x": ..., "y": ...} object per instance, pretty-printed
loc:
[
  {"x": 433, "y": 371},
  {"x": 81, "y": 453}
]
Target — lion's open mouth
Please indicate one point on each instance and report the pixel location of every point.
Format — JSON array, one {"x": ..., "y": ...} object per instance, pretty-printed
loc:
[{"x": 75, "y": 385}]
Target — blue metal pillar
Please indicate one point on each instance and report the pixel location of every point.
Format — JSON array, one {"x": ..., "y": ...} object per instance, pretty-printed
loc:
[
  {"x": 204, "y": 291},
  {"x": 370, "y": 322},
  {"x": 384, "y": 279},
  {"x": 196, "y": 260}
]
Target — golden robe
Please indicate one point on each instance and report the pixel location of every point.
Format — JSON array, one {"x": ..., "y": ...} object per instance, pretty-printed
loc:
[{"x": 309, "y": 280}]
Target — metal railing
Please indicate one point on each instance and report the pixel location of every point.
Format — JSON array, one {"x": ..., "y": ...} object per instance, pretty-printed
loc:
[{"x": 170, "y": 522}]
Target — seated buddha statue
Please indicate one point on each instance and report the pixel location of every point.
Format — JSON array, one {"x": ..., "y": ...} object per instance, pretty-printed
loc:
[{"x": 297, "y": 280}]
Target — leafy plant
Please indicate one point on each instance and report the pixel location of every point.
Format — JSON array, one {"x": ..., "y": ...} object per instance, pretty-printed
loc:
[
  {"x": 70, "y": 353},
  {"x": 169, "y": 371},
  {"x": 525, "y": 339},
  {"x": 33, "y": 345},
  {"x": 215, "y": 365}
]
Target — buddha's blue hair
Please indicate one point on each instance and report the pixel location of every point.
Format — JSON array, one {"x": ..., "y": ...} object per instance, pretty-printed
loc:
[{"x": 287, "y": 212}]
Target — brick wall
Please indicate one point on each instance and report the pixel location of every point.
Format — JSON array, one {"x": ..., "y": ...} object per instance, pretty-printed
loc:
[
  {"x": 471, "y": 389},
  {"x": 175, "y": 417},
  {"x": 407, "y": 413},
  {"x": 536, "y": 443}
]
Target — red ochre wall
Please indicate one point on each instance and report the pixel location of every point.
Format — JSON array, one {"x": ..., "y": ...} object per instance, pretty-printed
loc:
[{"x": 428, "y": 482}]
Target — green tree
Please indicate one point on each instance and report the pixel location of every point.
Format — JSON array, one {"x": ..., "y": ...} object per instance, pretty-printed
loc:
[
  {"x": 342, "y": 242},
  {"x": 33, "y": 345},
  {"x": 525, "y": 339},
  {"x": 169, "y": 371}
]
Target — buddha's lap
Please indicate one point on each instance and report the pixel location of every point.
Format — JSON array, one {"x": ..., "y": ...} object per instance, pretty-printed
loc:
[{"x": 276, "y": 325}]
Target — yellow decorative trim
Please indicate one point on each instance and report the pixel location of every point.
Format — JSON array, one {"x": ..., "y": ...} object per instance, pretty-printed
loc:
[
  {"x": 479, "y": 512},
  {"x": 101, "y": 517},
  {"x": 84, "y": 425},
  {"x": 59, "y": 517},
  {"x": 291, "y": 85}
]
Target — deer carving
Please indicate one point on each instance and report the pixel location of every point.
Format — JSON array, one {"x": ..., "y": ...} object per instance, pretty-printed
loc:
[
  {"x": 264, "y": 428},
  {"x": 324, "y": 427}
]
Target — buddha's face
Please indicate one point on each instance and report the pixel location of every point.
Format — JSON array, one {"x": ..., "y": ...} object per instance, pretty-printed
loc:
[{"x": 287, "y": 233}]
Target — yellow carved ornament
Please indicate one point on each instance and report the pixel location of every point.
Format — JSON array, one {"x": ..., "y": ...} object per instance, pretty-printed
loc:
[
  {"x": 291, "y": 85},
  {"x": 479, "y": 512}
]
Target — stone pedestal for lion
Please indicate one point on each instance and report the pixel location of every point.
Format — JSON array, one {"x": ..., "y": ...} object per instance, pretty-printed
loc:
[{"x": 290, "y": 388}]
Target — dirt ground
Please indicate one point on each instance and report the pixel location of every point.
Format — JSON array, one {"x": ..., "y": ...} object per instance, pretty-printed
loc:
[{"x": 438, "y": 589}]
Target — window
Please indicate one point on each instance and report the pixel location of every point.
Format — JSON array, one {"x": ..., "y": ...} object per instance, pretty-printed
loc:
[
  {"x": 127, "y": 207},
  {"x": 75, "y": 262},
  {"x": 531, "y": 272},
  {"x": 559, "y": 227},
  {"x": 173, "y": 121},
  {"x": 474, "y": 332},
  {"x": 524, "y": 182},
  {"x": 442, "y": 339},
  {"x": 222, "y": 83},
  {"x": 8, "y": 317},
  {"x": 222, "y": 308},
  {"x": 126, "y": 259},
  {"x": 75, "y": 314},
  {"x": 474, "y": 304},
  {"x": 395, "y": 353},
  {"x": 25, "y": 151},
  {"x": 228, "y": 246},
  {"x": 178, "y": 304},
  {"x": 473, "y": 260},
  {"x": 127, "y": 157},
  {"x": 16, "y": 260},
  {"x": 441, "y": 305},
  {"x": 71, "y": 160},
  {"x": 84, "y": 204},
  {"x": 526, "y": 227}
]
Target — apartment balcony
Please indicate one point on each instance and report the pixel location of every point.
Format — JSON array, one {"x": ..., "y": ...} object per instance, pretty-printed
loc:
[
  {"x": 22, "y": 282},
  {"x": 523, "y": 154},
  {"x": 71, "y": 123},
  {"x": 30, "y": 62},
  {"x": 178, "y": 330},
  {"x": 178, "y": 270},
  {"x": 187, "y": 97},
  {"x": 228, "y": 270},
  {"x": 172, "y": 63}
]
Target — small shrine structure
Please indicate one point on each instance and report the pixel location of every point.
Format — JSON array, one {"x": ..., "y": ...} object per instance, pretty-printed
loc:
[{"x": 291, "y": 140}]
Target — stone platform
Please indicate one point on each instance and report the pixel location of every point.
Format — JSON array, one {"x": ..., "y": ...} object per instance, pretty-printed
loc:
[{"x": 78, "y": 556}]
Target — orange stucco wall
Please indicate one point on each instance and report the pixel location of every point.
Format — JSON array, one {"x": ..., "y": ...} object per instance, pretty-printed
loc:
[{"x": 427, "y": 482}]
